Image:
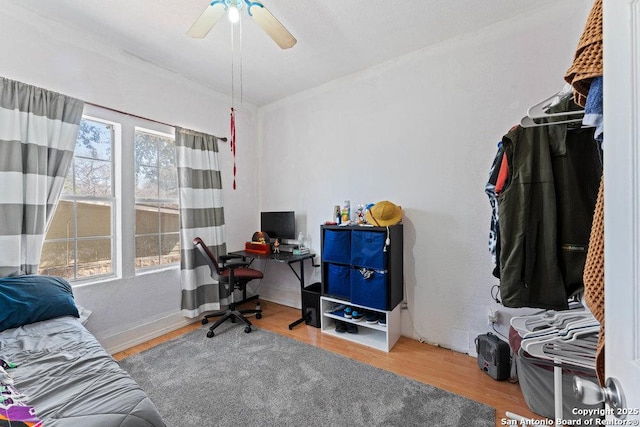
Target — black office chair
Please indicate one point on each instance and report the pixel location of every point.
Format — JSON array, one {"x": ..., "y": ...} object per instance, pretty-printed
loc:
[{"x": 233, "y": 275}]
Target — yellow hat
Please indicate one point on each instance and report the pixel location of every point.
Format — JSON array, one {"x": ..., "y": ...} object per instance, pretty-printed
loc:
[{"x": 383, "y": 214}]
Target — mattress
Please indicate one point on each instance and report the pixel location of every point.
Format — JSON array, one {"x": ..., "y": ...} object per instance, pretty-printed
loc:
[{"x": 71, "y": 380}]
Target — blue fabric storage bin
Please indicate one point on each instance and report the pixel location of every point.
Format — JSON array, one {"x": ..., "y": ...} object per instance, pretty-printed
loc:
[
  {"x": 367, "y": 250},
  {"x": 338, "y": 281},
  {"x": 337, "y": 246},
  {"x": 371, "y": 292}
]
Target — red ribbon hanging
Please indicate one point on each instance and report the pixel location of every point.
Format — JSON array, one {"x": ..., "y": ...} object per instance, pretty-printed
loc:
[{"x": 233, "y": 143}]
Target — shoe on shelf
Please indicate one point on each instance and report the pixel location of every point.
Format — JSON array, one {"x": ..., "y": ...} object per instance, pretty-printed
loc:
[
  {"x": 372, "y": 317},
  {"x": 357, "y": 315},
  {"x": 383, "y": 320},
  {"x": 341, "y": 326},
  {"x": 347, "y": 312},
  {"x": 351, "y": 328},
  {"x": 338, "y": 310}
]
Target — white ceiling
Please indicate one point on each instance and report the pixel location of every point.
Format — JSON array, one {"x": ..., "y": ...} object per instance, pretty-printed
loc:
[{"x": 335, "y": 37}]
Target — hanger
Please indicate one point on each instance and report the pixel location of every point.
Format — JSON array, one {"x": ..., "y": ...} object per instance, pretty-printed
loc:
[
  {"x": 540, "y": 110},
  {"x": 539, "y": 323},
  {"x": 564, "y": 330},
  {"x": 575, "y": 347}
]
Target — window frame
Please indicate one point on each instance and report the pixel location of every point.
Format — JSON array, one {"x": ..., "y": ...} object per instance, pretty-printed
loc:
[{"x": 123, "y": 191}]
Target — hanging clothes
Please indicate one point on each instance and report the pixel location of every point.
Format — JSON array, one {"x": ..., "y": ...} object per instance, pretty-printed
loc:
[
  {"x": 593, "y": 110},
  {"x": 545, "y": 212},
  {"x": 497, "y": 180},
  {"x": 490, "y": 190},
  {"x": 588, "y": 60},
  {"x": 594, "y": 279}
]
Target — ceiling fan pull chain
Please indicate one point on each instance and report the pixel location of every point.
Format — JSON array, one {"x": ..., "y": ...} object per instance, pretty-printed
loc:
[
  {"x": 241, "y": 91},
  {"x": 233, "y": 111},
  {"x": 233, "y": 49},
  {"x": 233, "y": 143}
]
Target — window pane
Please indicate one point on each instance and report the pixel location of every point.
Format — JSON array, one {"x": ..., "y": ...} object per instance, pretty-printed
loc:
[
  {"x": 94, "y": 219},
  {"x": 168, "y": 183},
  {"x": 168, "y": 154},
  {"x": 157, "y": 224},
  {"x": 169, "y": 218},
  {"x": 94, "y": 257},
  {"x": 94, "y": 140},
  {"x": 146, "y": 149},
  {"x": 147, "y": 219},
  {"x": 92, "y": 177},
  {"x": 62, "y": 225},
  {"x": 147, "y": 251},
  {"x": 147, "y": 182},
  {"x": 170, "y": 248},
  {"x": 58, "y": 259}
]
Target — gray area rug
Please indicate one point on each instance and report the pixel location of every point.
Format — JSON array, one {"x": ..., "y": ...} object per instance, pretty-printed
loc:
[{"x": 265, "y": 379}]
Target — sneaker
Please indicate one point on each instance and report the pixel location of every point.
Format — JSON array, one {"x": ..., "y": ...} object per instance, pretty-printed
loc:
[
  {"x": 341, "y": 326},
  {"x": 337, "y": 310},
  {"x": 383, "y": 320},
  {"x": 351, "y": 328},
  {"x": 347, "y": 312},
  {"x": 357, "y": 315},
  {"x": 372, "y": 317}
]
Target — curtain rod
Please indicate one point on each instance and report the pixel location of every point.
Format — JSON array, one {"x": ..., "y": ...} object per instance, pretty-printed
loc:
[{"x": 224, "y": 139}]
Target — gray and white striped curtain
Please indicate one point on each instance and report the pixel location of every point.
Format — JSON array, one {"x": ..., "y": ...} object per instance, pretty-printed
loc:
[
  {"x": 201, "y": 215},
  {"x": 38, "y": 131}
]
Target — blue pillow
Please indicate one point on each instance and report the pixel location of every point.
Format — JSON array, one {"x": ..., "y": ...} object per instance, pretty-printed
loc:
[{"x": 33, "y": 298}]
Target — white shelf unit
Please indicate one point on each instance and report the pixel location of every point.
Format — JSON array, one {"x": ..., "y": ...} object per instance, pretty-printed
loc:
[{"x": 370, "y": 334}]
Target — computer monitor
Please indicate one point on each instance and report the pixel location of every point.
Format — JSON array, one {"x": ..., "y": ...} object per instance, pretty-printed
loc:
[{"x": 281, "y": 225}]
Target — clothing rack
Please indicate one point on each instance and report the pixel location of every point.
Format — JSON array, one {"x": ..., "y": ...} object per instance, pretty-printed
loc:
[{"x": 223, "y": 139}]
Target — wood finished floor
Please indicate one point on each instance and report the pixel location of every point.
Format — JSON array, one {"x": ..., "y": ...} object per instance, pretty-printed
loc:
[{"x": 446, "y": 369}]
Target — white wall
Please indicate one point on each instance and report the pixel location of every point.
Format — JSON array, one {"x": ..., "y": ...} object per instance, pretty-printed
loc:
[
  {"x": 421, "y": 131},
  {"x": 42, "y": 53}
]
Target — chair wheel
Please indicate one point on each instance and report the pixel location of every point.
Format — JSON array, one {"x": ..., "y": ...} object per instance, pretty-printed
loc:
[
  {"x": 205, "y": 321},
  {"x": 210, "y": 334},
  {"x": 247, "y": 329},
  {"x": 258, "y": 315}
]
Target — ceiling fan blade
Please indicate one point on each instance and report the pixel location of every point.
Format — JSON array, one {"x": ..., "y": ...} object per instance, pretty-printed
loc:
[
  {"x": 271, "y": 25},
  {"x": 207, "y": 20}
]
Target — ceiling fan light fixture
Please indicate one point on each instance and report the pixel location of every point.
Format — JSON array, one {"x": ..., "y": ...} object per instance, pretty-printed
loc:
[{"x": 234, "y": 14}]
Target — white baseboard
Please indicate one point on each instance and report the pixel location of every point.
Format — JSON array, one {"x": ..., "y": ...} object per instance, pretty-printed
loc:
[{"x": 143, "y": 333}]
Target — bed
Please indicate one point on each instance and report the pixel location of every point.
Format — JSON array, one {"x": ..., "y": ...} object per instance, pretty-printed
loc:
[{"x": 57, "y": 367}]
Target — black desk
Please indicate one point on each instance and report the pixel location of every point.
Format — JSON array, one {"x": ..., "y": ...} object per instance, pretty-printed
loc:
[{"x": 290, "y": 259}]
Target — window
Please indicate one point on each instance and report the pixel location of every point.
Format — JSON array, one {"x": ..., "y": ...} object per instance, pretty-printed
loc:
[
  {"x": 157, "y": 208},
  {"x": 118, "y": 213},
  {"x": 79, "y": 241}
]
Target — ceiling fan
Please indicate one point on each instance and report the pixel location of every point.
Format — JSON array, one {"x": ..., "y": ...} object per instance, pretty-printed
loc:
[{"x": 255, "y": 9}]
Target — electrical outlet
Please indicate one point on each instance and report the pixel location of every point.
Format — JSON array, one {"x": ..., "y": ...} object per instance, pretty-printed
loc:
[
  {"x": 492, "y": 316},
  {"x": 403, "y": 305}
]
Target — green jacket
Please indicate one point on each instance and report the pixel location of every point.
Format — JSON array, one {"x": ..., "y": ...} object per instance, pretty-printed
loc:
[{"x": 545, "y": 213}]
